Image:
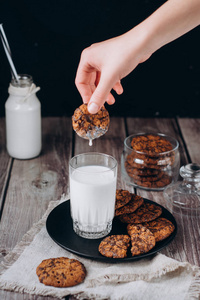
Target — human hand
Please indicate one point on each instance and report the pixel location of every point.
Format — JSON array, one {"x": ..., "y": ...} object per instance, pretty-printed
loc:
[{"x": 103, "y": 65}]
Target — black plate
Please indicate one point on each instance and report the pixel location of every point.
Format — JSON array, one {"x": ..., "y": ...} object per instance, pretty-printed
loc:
[{"x": 59, "y": 227}]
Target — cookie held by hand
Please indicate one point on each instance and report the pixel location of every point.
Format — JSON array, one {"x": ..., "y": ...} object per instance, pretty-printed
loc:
[{"x": 90, "y": 126}]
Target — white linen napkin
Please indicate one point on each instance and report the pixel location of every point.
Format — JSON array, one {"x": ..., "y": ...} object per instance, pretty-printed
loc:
[{"x": 154, "y": 277}]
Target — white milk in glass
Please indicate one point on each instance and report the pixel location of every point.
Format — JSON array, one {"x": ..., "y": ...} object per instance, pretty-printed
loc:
[{"x": 92, "y": 197}]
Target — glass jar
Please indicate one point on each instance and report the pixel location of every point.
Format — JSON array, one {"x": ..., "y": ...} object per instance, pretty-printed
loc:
[
  {"x": 184, "y": 196},
  {"x": 23, "y": 119},
  {"x": 153, "y": 169}
]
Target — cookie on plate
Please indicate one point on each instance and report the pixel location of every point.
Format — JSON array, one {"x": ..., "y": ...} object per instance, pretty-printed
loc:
[
  {"x": 145, "y": 213},
  {"x": 131, "y": 206},
  {"x": 122, "y": 198},
  {"x": 61, "y": 272},
  {"x": 161, "y": 228},
  {"x": 115, "y": 246},
  {"x": 90, "y": 126},
  {"x": 142, "y": 239}
]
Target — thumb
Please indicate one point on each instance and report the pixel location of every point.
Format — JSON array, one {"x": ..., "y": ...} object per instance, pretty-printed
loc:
[{"x": 100, "y": 95}]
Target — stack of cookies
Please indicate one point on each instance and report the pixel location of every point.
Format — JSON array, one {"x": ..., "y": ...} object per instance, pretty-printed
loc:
[
  {"x": 150, "y": 161},
  {"x": 145, "y": 227}
]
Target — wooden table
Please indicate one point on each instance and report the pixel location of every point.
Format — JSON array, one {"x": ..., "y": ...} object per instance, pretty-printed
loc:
[{"x": 26, "y": 187}]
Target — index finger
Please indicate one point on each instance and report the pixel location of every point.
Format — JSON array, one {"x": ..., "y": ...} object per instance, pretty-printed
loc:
[{"x": 85, "y": 81}]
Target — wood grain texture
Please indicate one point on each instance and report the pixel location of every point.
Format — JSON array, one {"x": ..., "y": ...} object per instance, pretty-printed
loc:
[
  {"x": 5, "y": 163},
  {"x": 35, "y": 182},
  {"x": 190, "y": 129}
]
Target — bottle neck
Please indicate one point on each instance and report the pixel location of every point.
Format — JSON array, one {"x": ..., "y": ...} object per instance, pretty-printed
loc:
[
  {"x": 22, "y": 82},
  {"x": 23, "y": 87}
]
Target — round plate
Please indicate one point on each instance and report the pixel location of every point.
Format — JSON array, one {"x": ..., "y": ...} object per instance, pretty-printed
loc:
[{"x": 59, "y": 227}]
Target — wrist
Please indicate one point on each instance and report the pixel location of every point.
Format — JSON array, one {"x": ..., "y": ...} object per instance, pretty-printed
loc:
[{"x": 140, "y": 38}]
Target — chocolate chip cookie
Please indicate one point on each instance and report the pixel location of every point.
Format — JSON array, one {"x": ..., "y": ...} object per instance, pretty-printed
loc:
[
  {"x": 161, "y": 228},
  {"x": 160, "y": 183},
  {"x": 115, "y": 246},
  {"x": 151, "y": 144},
  {"x": 90, "y": 126},
  {"x": 131, "y": 206},
  {"x": 61, "y": 272},
  {"x": 145, "y": 213},
  {"x": 142, "y": 239},
  {"x": 122, "y": 198}
]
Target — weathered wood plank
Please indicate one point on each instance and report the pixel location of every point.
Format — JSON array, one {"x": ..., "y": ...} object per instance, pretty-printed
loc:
[
  {"x": 5, "y": 163},
  {"x": 190, "y": 129},
  {"x": 186, "y": 245},
  {"x": 37, "y": 181}
]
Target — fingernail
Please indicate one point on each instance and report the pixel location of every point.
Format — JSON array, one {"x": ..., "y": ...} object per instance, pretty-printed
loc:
[
  {"x": 93, "y": 108},
  {"x": 111, "y": 101}
]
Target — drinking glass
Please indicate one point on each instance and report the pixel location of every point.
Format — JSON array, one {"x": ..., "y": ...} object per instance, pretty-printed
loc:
[{"x": 93, "y": 178}]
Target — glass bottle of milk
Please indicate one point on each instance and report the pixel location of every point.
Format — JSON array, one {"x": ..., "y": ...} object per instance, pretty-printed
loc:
[{"x": 23, "y": 119}]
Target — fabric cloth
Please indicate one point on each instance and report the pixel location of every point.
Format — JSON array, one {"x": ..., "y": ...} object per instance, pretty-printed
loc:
[{"x": 154, "y": 277}]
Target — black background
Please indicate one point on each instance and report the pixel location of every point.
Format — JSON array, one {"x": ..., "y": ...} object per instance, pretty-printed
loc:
[{"x": 47, "y": 38}]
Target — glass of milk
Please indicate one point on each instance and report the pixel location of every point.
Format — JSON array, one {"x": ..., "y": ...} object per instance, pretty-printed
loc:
[{"x": 93, "y": 179}]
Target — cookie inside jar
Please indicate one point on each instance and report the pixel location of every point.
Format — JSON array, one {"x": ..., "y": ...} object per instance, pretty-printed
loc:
[
  {"x": 90, "y": 126},
  {"x": 150, "y": 160}
]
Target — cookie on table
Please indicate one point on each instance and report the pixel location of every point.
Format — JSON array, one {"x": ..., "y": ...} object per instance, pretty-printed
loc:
[
  {"x": 161, "y": 228},
  {"x": 142, "y": 239},
  {"x": 122, "y": 198},
  {"x": 90, "y": 126},
  {"x": 151, "y": 144},
  {"x": 145, "y": 213},
  {"x": 135, "y": 202},
  {"x": 115, "y": 246},
  {"x": 61, "y": 272}
]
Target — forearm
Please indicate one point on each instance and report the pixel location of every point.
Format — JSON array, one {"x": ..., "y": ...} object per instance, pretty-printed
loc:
[{"x": 173, "y": 19}]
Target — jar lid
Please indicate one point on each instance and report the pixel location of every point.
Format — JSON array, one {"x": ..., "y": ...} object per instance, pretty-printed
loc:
[{"x": 184, "y": 196}]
